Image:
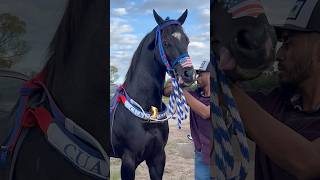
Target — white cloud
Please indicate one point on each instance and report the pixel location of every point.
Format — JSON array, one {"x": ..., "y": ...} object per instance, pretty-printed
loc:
[
  {"x": 123, "y": 39},
  {"x": 119, "y": 25},
  {"x": 119, "y": 11},
  {"x": 118, "y": 2},
  {"x": 172, "y": 4},
  {"x": 121, "y": 59},
  {"x": 199, "y": 48},
  {"x": 121, "y": 47},
  {"x": 197, "y": 45},
  {"x": 198, "y": 55},
  {"x": 148, "y": 11},
  {"x": 201, "y": 27},
  {"x": 123, "y": 42},
  {"x": 120, "y": 33},
  {"x": 205, "y": 12},
  {"x": 200, "y": 37}
]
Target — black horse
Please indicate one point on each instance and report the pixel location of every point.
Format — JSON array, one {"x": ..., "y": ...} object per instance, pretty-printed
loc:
[
  {"x": 76, "y": 76},
  {"x": 133, "y": 139}
]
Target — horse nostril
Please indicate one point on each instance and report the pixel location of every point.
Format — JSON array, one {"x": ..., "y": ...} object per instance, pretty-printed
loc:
[
  {"x": 188, "y": 74},
  {"x": 244, "y": 40},
  {"x": 252, "y": 39}
]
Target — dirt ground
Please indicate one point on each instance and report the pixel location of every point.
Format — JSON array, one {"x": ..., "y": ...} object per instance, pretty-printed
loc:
[
  {"x": 179, "y": 161},
  {"x": 180, "y": 157}
]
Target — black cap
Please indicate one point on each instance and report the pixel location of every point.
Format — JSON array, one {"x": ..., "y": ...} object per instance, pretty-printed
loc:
[
  {"x": 204, "y": 67},
  {"x": 303, "y": 17}
]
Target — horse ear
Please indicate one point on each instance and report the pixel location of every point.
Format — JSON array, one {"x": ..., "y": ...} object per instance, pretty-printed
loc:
[
  {"x": 158, "y": 19},
  {"x": 183, "y": 17}
]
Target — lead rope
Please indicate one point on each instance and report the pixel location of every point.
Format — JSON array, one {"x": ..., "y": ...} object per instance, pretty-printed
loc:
[
  {"x": 177, "y": 98},
  {"x": 223, "y": 152}
]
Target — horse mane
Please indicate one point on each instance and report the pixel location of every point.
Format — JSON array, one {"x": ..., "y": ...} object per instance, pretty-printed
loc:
[
  {"x": 137, "y": 53},
  {"x": 65, "y": 34}
]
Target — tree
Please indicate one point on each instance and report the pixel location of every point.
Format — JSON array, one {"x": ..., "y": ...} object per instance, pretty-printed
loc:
[
  {"x": 113, "y": 77},
  {"x": 113, "y": 74},
  {"x": 12, "y": 46}
]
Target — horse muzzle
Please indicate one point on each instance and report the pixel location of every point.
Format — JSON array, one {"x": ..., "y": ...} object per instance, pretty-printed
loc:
[
  {"x": 253, "y": 48},
  {"x": 186, "y": 76}
]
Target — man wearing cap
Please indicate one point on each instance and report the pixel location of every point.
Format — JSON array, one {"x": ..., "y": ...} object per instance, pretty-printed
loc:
[
  {"x": 200, "y": 123},
  {"x": 285, "y": 124}
]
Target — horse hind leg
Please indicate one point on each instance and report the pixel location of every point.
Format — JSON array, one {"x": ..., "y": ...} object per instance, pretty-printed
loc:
[
  {"x": 156, "y": 165},
  {"x": 128, "y": 166}
]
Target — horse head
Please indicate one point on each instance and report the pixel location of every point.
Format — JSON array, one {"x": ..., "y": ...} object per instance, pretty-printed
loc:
[
  {"x": 242, "y": 38},
  {"x": 172, "y": 45}
]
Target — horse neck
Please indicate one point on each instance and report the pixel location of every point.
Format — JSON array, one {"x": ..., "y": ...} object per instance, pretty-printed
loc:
[
  {"x": 77, "y": 83},
  {"x": 146, "y": 83}
]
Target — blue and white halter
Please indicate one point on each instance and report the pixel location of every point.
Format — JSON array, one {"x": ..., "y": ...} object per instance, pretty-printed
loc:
[{"x": 176, "y": 98}]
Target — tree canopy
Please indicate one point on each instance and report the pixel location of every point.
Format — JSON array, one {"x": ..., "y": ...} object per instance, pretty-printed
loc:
[{"x": 12, "y": 44}]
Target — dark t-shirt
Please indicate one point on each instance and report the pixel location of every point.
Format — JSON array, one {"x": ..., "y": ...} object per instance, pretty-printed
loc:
[
  {"x": 201, "y": 129},
  {"x": 285, "y": 107}
]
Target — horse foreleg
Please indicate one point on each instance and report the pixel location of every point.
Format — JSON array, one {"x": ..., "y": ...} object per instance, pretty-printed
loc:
[
  {"x": 156, "y": 165},
  {"x": 128, "y": 166}
]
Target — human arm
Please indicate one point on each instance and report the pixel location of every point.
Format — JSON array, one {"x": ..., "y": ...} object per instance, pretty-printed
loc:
[
  {"x": 288, "y": 149},
  {"x": 197, "y": 106}
]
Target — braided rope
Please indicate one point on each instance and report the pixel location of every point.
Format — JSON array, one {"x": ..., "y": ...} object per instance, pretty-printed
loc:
[
  {"x": 222, "y": 140},
  {"x": 177, "y": 98}
]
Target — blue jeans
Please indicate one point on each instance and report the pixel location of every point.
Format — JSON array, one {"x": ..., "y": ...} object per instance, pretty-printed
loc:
[{"x": 202, "y": 170}]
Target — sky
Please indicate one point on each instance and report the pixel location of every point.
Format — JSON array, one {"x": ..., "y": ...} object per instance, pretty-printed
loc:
[{"x": 130, "y": 21}]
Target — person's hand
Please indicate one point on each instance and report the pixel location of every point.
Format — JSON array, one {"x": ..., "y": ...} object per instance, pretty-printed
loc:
[
  {"x": 168, "y": 89},
  {"x": 185, "y": 91},
  {"x": 180, "y": 82}
]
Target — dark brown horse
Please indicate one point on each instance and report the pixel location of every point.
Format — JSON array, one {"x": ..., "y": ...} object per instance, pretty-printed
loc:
[{"x": 76, "y": 77}]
